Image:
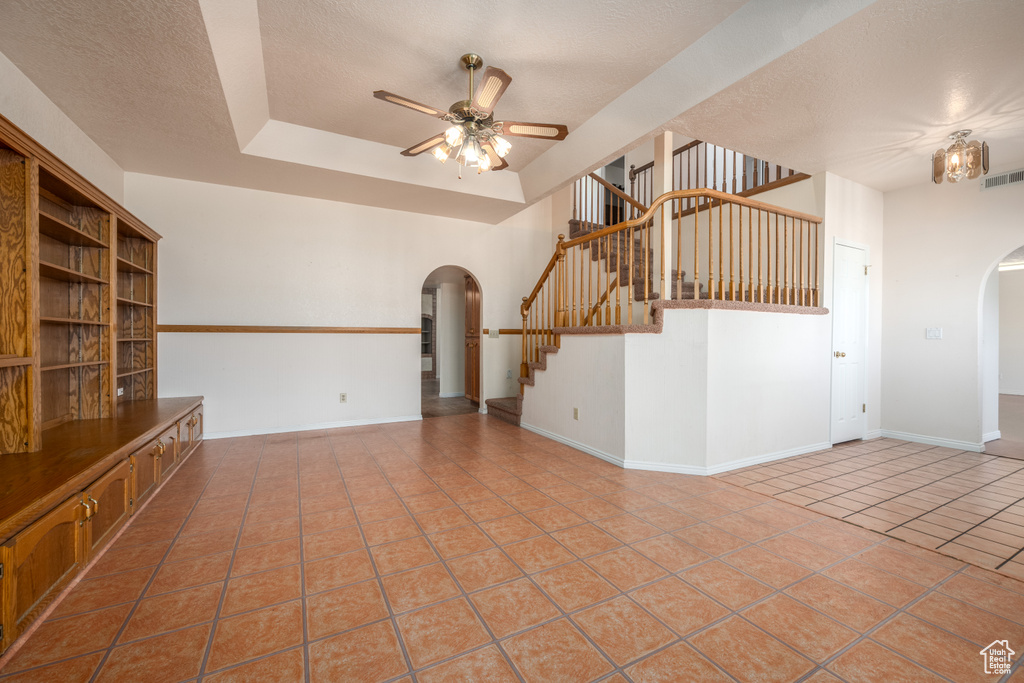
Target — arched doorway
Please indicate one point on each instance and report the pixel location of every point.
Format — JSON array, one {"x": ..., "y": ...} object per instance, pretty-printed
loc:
[
  {"x": 450, "y": 332},
  {"x": 1002, "y": 357}
]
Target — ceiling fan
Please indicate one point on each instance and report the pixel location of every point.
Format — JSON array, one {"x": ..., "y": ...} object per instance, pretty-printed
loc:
[{"x": 477, "y": 140}]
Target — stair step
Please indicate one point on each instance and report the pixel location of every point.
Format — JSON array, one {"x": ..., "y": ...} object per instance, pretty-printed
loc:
[{"x": 508, "y": 409}]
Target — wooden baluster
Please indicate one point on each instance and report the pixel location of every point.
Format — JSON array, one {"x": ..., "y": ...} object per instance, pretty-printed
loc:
[
  {"x": 802, "y": 263},
  {"x": 711, "y": 250},
  {"x": 696, "y": 250},
  {"x": 524, "y": 370},
  {"x": 776, "y": 297},
  {"x": 629, "y": 277},
  {"x": 608, "y": 281},
  {"x": 785, "y": 259},
  {"x": 760, "y": 283},
  {"x": 560, "y": 317},
  {"x": 732, "y": 279},
  {"x": 679, "y": 252},
  {"x": 721, "y": 251},
  {"x": 618, "y": 275},
  {"x": 645, "y": 241}
]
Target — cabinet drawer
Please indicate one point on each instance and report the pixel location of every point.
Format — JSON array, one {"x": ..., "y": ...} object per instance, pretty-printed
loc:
[
  {"x": 191, "y": 431},
  {"x": 110, "y": 505}
]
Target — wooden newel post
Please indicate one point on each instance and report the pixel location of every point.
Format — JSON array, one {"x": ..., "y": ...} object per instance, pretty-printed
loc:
[
  {"x": 561, "y": 319},
  {"x": 524, "y": 367}
]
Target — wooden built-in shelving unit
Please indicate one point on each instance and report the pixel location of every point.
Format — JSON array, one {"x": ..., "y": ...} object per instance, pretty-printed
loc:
[{"x": 84, "y": 441}]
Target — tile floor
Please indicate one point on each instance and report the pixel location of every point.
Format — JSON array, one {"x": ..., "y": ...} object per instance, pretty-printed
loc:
[
  {"x": 432, "y": 405},
  {"x": 463, "y": 548},
  {"x": 966, "y": 505}
]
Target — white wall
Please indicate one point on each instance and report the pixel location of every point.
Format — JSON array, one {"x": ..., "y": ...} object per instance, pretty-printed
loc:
[
  {"x": 717, "y": 389},
  {"x": 587, "y": 373},
  {"x": 990, "y": 359},
  {"x": 1011, "y": 331},
  {"x": 941, "y": 242},
  {"x": 27, "y": 107},
  {"x": 238, "y": 256}
]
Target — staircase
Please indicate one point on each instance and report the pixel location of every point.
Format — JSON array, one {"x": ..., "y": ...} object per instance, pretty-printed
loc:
[{"x": 605, "y": 282}]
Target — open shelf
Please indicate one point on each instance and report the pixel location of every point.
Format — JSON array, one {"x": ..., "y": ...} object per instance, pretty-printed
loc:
[
  {"x": 130, "y": 302},
  {"x": 126, "y": 265},
  {"x": 129, "y": 340},
  {"x": 65, "y": 232},
  {"x": 66, "y": 366},
  {"x": 14, "y": 361},
  {"x": 55, "y": 272},
  {"x": 70, "y": 321},
  {"x": 127, "y": 373}
]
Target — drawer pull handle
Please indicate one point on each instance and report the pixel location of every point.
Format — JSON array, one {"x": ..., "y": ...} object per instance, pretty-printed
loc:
[
  {"x": 160, "y": 448},
  {"x": 95, "y": 504},
  {"x": 88, "y": 510}
]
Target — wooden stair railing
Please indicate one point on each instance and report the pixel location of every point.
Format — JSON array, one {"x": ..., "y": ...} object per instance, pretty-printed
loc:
[{"x": 753, "y": 252}]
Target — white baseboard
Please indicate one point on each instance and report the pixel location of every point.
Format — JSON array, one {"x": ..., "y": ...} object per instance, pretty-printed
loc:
[
  {"x": 607, "y": 457},
  {"x": 934, "y": 441},
  {"x": 452, "y": 394},
  {"x": 991, "y": 436},
  {"x": 726, "y": 466},
  {"x": 312, "y": 427},
  {"x": 678, "y": 469},
  {"x": 873, "y": 434}
]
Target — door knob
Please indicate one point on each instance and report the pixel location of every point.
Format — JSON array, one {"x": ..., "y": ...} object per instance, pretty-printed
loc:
[{"x": 840, "y": 354}]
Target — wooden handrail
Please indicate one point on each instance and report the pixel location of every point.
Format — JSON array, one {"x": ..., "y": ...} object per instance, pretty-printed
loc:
[
  {"x": 686, "y": 194},
  {"x": 540, "y": 283},
  {"x": 634, "y": 172},
  {"x": 618, "y": 193},
  {"x": 600, "y": 302}
]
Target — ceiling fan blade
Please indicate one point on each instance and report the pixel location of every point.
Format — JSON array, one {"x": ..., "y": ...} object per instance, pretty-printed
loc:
[
  {"x": 490, "y": 89},
  {"x": 497, "y": 163},
  {"x": 544, "y": 131},
  {"x": 410, "y": 104},
  {"x": 424, "y": 146}
]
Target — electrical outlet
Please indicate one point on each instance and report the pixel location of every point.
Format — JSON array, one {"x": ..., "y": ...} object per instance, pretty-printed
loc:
[
  {"x": 343, "y": 398},
  {"x": 933, "y": 333},
  {"x": 120, "y": 391},
  {"x": 575, "y": 413},
  {"x": 508, "y": 375}
]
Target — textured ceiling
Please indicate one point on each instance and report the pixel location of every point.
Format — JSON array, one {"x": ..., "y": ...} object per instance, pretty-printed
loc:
[
  {"x": 817, "y": 85},
  {"x": 872, "y": 98},
  {"x": 567, "y": 59}
]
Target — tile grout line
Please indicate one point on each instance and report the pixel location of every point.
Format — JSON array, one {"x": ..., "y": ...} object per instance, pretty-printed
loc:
[
  {"x": 142, "y": 596},
  {"x": 231, "y": 564}
]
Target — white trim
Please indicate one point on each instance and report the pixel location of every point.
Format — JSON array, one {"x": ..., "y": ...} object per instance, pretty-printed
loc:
[
  {"x": 873, "y": 434},
  {"x": 934, "y": 441},
  {"x": 452, "y": 394},
  {"x": 696, "y": 470},
  {"x": 991, "y": 436},
  {"x": 313, "y": 427},
  {"x": 607, "y": 457},
  {"x": 483, "y": 410}
]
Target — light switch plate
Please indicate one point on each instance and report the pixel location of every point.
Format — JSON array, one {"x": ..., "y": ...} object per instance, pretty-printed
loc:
[
  {"x": 493, "y": 334},
  {"x": 933, "y": 333}
]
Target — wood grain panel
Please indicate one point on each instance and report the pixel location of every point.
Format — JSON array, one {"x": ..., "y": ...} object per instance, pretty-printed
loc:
[
  {"x": 14, "y": 265},
  {"x": 15, "y": 409},
  {"x": 272, "y": 329}
]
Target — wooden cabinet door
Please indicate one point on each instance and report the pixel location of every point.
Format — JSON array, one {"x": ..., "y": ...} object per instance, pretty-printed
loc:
[
  {"x": 109, "y": 499},
  {"x": 194, "y": 424},
  {"x": 473, "y": 332},
  {"x": 168, "y": 453},
  {"x": 145, "y": 474},
  {"x": 38, "y": 563}
]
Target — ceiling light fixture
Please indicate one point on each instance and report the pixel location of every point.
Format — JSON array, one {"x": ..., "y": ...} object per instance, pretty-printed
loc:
[
  {"x": 475, "y": 139},
  {"x": 961, "y": 160}
]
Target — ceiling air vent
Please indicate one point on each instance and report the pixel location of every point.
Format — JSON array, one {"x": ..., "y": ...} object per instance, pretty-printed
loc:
[{"x": 1009, "y": 178}]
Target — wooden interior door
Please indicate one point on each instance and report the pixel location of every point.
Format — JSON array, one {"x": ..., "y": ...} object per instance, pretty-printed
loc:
[{"x": 472, "y": 340}]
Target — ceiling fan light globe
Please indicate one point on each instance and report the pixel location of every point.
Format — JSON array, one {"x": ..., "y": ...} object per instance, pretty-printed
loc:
[
  {"x": 501, "y": 146},
  {"x": 442, "y": 151},
  {"x": 484, "y": 164},
  {"x": 453, "y": 136}
]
